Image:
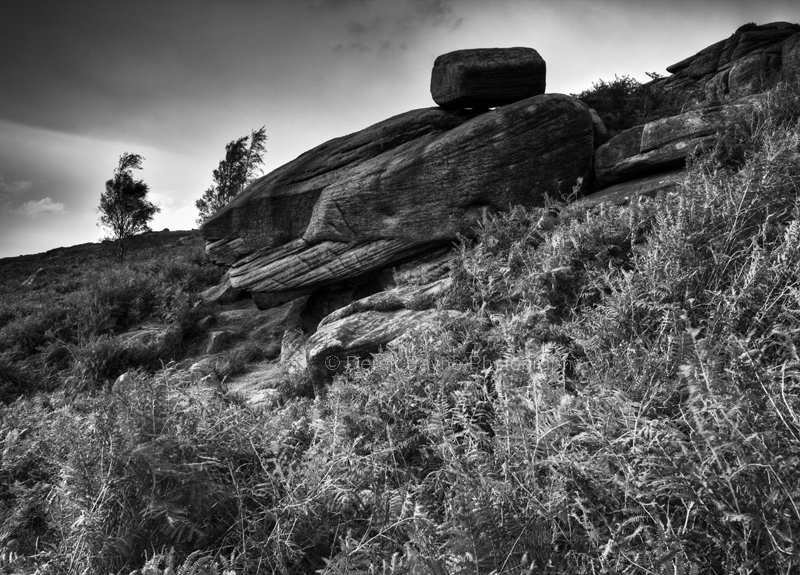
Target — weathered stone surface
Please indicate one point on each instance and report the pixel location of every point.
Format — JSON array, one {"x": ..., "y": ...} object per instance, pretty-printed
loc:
[
  {"x": 411, "y": 198},
  {"x": 717, "y": 87},
  {"x": 648, "y": 186},
  {"x": 746, "y": 63},
  {"x": 223, "y": 292},
  {"x": 764, "y": 38},
  {"x": 601, "y": 135},
  {"x": 423, "y": 270},
  {"x": 269, "y": 300},
  {"x": 227, "y": 250},
  {"x": 276, "y": 208},
  {"x": 694, "y": 124},
  {"x": 752, "y": 74},
  {"x": 292, "y": 353},
  {"x": 790, "y": 56},
  {"x": 706, "y": 61},
  {"x": 301, "y": 264},
  {"x": 274, "y": 320},
  {"x": 351, "y": 339},
  {"x": 415, "y": 298},
  {"x": 626, "y": 144},
  {"x": 218, "y": 340},
  {"x": 487, "y": 77},
  {"x": 663, "y": 144}
]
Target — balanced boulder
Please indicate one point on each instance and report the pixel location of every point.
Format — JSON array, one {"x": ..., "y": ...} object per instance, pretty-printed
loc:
[{"x": 487, "y": 77}]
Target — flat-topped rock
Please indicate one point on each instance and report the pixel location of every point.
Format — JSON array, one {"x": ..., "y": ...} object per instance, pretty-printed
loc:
[{"x": 487, "y": 77}]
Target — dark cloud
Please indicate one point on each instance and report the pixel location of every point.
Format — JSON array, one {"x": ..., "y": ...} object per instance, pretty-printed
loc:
[
  {"x": 335, "y": 5},
  {"x": 359, "y": 29},
  {"x": 100, "y": 67},
  {"x": 13, "y": 189},
  {"x": 356, "y": 47},
  {"x": 399, "y": 21},
  {"x": 438, "y": 10}
]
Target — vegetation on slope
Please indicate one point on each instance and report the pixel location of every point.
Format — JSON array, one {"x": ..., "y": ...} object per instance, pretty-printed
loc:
[
  {"x": 622, "y": 396},
  {"x": 624, "y": 102},
  {"x": 63, "y": 325}
]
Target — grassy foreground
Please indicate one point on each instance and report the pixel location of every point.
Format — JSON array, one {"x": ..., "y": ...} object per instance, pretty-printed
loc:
[{"x": 621, "y": 395}]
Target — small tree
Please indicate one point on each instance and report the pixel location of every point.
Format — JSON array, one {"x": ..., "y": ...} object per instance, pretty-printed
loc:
[
  {"x": 124, "y": 208},
  {"x": 235, "y": 172}
]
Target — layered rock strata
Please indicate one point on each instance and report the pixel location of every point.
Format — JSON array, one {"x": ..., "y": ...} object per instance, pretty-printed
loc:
[
  {"x": 303, "y": 226},
  {"x": 743, "y": 64},
  {"x": 664, "y": 144}
]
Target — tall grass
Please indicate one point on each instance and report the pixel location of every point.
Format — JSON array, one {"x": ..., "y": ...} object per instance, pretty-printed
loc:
[
  {"x": 620, "y": 395},
  {"x": 66, "y": 325}
]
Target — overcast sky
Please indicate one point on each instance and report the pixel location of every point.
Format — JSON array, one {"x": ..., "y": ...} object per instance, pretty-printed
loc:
[{"x": 83, "y": 81}]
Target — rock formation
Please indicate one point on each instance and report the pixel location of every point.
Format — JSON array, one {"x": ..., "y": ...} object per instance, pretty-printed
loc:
[
  {"x": 738, "y": 66},
  {"x": 303, "y": 227},
  {"x": 719, "y": 86},
  {"x": 664, "y": 144},
  {"x": 487, "y": 78},
  {"x": 331, "y": 235}
]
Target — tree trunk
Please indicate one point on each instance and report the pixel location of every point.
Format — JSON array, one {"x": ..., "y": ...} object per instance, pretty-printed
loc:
[{"x": 120, "y": 250}]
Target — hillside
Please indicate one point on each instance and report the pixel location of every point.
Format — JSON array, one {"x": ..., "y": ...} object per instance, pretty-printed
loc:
[{"x": 589, "y": 385}]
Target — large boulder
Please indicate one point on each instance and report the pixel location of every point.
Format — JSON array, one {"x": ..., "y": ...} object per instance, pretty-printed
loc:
[
  {"x": 299, "y": 227},
  {"x": 664, "y": 144},
  {"x": 277, "y": 208},
  {"x": 487, "y": 77}
]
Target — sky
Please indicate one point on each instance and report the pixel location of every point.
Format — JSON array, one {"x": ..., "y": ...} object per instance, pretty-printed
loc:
[{"x": 83, "y": 81}]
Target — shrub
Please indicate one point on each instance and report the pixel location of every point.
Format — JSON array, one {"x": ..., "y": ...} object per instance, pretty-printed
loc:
[
  {"x": 624, "y": 102},
  {"x": 75, "y": 332}
]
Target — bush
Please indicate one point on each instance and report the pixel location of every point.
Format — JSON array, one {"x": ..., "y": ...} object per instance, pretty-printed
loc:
[
  {"x": 624, "y": 102},
  {"x": 51, "y": 334}
]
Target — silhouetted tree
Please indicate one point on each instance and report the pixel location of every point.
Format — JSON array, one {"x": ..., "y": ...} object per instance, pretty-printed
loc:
[
  {"x": 124, "y": 208},
  {"x": 235, "y": 172}
]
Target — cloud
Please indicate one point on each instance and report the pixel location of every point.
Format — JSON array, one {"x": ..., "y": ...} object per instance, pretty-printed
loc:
[
  {"x": 33, "y": 209},
  {"x": 9, "y": 191},
  {"x": 14, "y": 188},
  {"x": 335, "y": 4},
  {"x": 360, "y": 29},
  {"x": 357, "y": 47},
  {"x": 435, "y": 8},
  {"x": 456, "y": 25}
]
